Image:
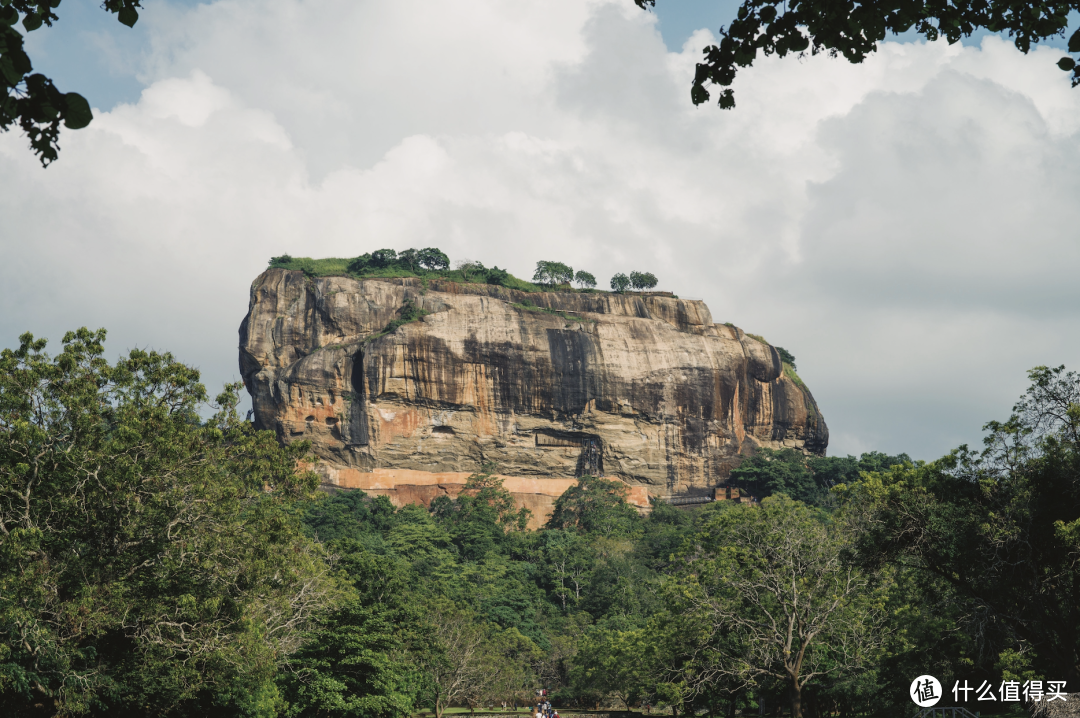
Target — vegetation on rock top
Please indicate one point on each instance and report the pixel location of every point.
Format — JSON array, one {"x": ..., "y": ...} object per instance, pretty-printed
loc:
[
  {"x": 433, "y": 263},
  {"x": 386, "y": 263}
]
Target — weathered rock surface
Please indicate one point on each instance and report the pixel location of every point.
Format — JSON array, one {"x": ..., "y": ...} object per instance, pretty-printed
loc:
[{"x": 644, "y": 388}]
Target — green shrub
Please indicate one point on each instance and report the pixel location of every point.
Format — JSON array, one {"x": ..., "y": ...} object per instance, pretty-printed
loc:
[
  {"x": 497, "y": 276},
  {"x": 429, "y": 263},
  {"x": 409, "y": 312}
]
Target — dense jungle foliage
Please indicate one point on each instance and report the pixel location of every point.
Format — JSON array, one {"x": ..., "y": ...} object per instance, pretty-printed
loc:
[{"x": 154, "y": 562}]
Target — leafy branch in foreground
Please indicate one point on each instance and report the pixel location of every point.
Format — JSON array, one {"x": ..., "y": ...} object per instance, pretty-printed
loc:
[
  {"x": 854, "y": 29},
  {"x": 31, "y": 99}
]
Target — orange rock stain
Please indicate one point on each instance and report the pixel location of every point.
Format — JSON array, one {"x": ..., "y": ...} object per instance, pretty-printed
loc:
[
  {"x": 408, "y": 486},
  {"x": 398, "y": 422}
]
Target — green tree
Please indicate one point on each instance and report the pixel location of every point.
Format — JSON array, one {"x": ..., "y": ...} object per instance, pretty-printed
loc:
[
  {"x": 779, "y": 602},
  {"x": 417, "y": 538},
  {"x": 783, "y": 471},
  {"x": 620, "y": 585},
  {"x": 786, "y": 356},
  {"x": 665, "y": 531},
  {"x": 1000, "y": 528},
  {"x": 147, "y": 559},
  {"x": 355, "y": 661},
  {"x": 507, "y": 657},
  {"x": 348, "y": 515},
  {"x": 454, "y": 664},
  {"x": 360, "y": 264},
  {"x": 805, "y": 478},
  {"x": 612, "y": 662},
  {"x": 595, "y": 505},
  {"x": 483, "y": 514},
  {"x": 348, "y": 667},
  {"x": 642, "y": 280},
  {"x": 498, "y": 277},
  {"x": 433, "y": 259},
  {"x": 553, "y": 273},
  {"x": 584, "y": 279},
  {"x": 830, "y": 471},
  {"x": 620, "y": 282},
  {"x": 409, "y": 259},
  {"x": 569, "y": 560},
  {"x": 778, "y": 27},
  {"x": 383, "y": 258}
]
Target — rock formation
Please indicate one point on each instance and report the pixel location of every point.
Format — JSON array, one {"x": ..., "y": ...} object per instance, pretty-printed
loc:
[{"x": 546, "y": 386}]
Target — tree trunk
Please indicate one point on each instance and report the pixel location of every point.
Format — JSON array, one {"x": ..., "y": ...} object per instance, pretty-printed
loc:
[
  {"x": 796, "y": 700},
  {"x": 438, "y": 706}
]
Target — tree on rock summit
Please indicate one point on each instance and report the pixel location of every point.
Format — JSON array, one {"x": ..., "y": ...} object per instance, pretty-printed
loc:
[
  {"x": 584, "y": 279},
  {"x": 620, "y": 282},
  {"x": 553, "y": 273},
  {"x": 642, "y": 280}
]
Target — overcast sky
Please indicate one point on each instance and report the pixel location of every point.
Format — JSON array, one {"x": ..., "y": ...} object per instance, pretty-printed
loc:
[{"x": 907, "y": 228}]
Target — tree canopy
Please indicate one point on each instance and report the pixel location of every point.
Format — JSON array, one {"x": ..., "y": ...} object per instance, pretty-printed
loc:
[
  {"x": 584, "y": 279},
  {"x": 854, "y": 29},
  {"x": 777, "y": 600},
  {"x": 553, "y": 273},
  {"x": 145, "y": 555},
  {"x": 155, "y": 560},
  {"x": 642, "y": 280},
  {"x": 806, "y": 478},
  {"x": 999, "y": 529}
]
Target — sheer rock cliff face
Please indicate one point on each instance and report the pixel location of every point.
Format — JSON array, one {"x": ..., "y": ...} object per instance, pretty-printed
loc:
[{"x": 643, "y": 388}]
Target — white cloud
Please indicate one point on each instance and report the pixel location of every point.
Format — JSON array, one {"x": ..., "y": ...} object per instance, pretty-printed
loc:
[{"x": 904, "y": 227}]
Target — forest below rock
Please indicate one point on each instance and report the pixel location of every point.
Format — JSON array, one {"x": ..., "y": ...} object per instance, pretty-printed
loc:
[{"x": 156, "y": 562}]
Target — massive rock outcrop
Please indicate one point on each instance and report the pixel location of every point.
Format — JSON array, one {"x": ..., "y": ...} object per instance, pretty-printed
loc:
[{"x": 545, "y": 386}]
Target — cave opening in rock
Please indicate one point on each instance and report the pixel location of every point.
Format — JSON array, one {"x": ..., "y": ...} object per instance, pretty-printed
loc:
[
  {"x": 444, "y": 430},
  {"x": 590, "y": 460}
]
